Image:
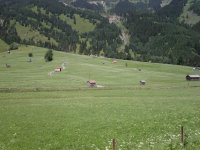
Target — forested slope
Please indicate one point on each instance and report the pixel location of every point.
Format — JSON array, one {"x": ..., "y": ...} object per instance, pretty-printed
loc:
[
  {"x": 53, "y": 25},
  {"x": 157, "y": 34}
]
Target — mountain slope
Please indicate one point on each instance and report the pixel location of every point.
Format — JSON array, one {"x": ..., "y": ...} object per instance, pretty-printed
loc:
[
  {"x": 160, "y": 38},
  {"x": 188, "y": 15},
  {"x": 153, "y": 28},
  {"x": 52, "y": 24}
]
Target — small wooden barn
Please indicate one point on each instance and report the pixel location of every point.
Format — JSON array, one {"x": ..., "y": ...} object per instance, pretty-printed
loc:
[
  {"x": 59, "y": 69},
  {"x": 142, "y": 82},
  {"x": 192, "y": 77},
  {"x": 92, "y": 83}
]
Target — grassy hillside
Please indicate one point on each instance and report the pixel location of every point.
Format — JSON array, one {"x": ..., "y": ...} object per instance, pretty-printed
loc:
[
  {"x": 51, "y": 24},
  {"x": 26, "y": 33},
  {"x": 81, "y": 68},
  {"x": 36, "y": 10},
  {"x": 78, "y": 23},
  {"x": 3, "y": 46},
  {"x": 39, "y": 111}
]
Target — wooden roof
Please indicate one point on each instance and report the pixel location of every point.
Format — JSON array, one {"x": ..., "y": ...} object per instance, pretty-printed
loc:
[
  {"x": 92, "y": 81},
  {"x": 193, "y": 76}
]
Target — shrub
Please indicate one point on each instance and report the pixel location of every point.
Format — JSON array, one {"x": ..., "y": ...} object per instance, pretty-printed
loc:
[
  {"x": 14, "y": 46},
  {"x": 30, "y": 55},
  {"x": 48, "y": 56}
]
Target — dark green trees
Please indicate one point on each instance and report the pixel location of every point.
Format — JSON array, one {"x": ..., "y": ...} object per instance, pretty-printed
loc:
[
  {"x": 30, "y": 55},
  {"x": 48, "y": 55}
]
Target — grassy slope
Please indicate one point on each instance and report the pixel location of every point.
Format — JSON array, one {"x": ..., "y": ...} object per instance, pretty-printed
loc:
[
  {"x": 81, "y": 67},
  {"x": 71, "y": 116},
  {"x": 3, "y": 46},
  {"x": 82, "y": 25},
  {"x": 28, "y": 33},
  {"x": 35, "y": 9}
]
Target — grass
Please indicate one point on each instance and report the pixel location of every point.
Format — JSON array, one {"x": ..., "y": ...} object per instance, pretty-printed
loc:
[
  {"x": 3, "y": 46},
  {"x": 29, "y": 33},
  {"x": 81, "y": 69},
  {"x": 36, "y": 10},
  {"x": 82, "y": 25},
  {"x": 59, "y": 112}
]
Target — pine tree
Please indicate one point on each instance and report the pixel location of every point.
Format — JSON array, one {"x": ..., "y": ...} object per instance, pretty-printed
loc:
[{"x": 48, "y": 56}]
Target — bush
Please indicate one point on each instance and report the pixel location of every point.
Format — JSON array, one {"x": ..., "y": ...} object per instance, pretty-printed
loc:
[
  {"x": 14, "y": 46},
  {"x": 30, "y": 55},
  {"x": 48, "y": 56}
]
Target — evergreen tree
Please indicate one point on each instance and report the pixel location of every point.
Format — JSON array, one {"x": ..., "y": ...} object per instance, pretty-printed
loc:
[{"x": 48, "y": 55}]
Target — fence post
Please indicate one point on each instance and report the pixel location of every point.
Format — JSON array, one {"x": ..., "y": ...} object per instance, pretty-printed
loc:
[
  {"x": 114, "y": 144},
  {"x": 182, "y": 136}
]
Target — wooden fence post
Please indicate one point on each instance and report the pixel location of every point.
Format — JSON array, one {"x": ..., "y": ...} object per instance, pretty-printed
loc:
[
  {"x": 182, "y": 136},
  {"x": 114, "y": 144}
]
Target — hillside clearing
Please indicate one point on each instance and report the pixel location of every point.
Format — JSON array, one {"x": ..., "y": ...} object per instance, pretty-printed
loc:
[
  {"x": 78, "y": 23},
  {"x": 27, "y": 33}
]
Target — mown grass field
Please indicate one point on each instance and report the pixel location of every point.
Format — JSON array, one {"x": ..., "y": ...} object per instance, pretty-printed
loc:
[{"x": 38, "y": 111}]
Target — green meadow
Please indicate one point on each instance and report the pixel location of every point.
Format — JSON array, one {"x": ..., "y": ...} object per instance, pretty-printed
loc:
[
  {"x": 80, "y": 25},
  {"x": 27, "y": 33},
  {"x": 39, "y": 111}
]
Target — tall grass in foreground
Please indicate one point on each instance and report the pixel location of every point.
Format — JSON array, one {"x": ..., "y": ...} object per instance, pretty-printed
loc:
[{"x": 79, "y": 119}]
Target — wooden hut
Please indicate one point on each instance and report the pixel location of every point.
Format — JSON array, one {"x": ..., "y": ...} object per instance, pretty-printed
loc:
[
  {"x": 59, "y": 69},
  {"x": 142, "y": 82},
  {"x": 92, "y": 83},
  {"x": 192, "y": 77}
]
